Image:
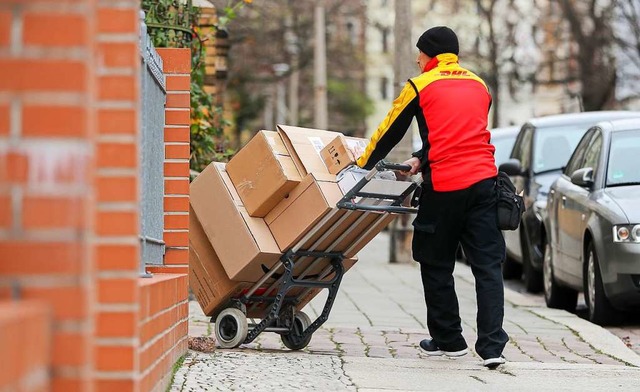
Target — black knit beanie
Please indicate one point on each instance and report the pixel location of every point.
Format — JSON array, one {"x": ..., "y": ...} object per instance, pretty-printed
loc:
[{"x": 438, "y": 40}]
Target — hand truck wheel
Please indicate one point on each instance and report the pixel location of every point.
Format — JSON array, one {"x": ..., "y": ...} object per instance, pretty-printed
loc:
[
  {"x": 300, "y": 322},
  {"x": 231, "y": 328}
]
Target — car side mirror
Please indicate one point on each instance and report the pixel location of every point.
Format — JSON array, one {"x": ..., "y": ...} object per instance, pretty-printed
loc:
[
  {"x": 583, "y": 177},
  {"x": 511, "y": 167}
]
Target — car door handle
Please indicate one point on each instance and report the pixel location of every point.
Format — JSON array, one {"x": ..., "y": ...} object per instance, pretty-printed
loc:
[{"x": 564, "y": 200}]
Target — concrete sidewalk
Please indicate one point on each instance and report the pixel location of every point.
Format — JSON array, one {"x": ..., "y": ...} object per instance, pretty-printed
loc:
[{"x": 370, "y": 342}]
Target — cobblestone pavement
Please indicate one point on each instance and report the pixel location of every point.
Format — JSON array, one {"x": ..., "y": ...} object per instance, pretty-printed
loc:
[{"x": 379, "y": 318}]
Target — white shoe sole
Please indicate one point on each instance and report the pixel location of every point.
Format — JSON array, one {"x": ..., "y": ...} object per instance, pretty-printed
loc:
[
  {"x": 492, "y": 363},
  {"x": 447, "y": 353}
]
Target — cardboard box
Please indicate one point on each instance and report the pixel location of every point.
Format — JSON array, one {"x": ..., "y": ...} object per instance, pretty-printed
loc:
[
  {"x": 207, "y": 278},
  {"x": 243, "y": 243},
  {"x": 307, "y": 204},
  {"x": 304, "y": 145},
  {"x": 337, "y": 154},
  {"x": 263, "y": 173}
]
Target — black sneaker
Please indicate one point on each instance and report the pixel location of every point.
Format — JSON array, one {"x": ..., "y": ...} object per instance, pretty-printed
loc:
[
  {"x": 493, "y": 363},
  {"x": 431, "y": 349}
]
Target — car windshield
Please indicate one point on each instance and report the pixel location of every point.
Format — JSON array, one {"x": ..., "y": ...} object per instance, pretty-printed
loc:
[
  {"x": 624, "y": 151},
  {"x": 554, "y": 145},
  {"x": 503, "y": 145}
]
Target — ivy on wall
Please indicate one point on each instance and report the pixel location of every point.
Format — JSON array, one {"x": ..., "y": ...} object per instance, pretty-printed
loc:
[{"x": 174, "y": 24}]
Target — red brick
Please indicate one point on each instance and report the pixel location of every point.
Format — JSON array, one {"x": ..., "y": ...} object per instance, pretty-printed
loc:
[
  {"x": 5, "y": 120},
  {"x": 177, "y": 151},
  {"x": 14, "y": 167},
  {"x": 176, "y": 256},
  {"x": 175, "y": 61},
  {"x": 118, "y": 88},
  {"x": 178, "y": 134},
  {"x": 175, "y": 222},
  {"x": 52, "y": 212},
  {"x": 117, "y": 257},
  {"x": 176, "y": 203},
  {"x": 111, "y": 385},
  {"x": 40, "y": 120},
  {"x": 176, "y": 187},
  {"x": 68, "y": 349},
  {"x": 63, "y": 383},
  {"x": 117, "y": 121},
  {"x": 117, "y": 291},
  {"x": 120, "y": 155},
  {"x": 117, "y": 223},
  {"x": 116, "y": 324},
  {"x": 176, "y": 169},
  {"x": 50, "y": 258},
  {"x": 178, "y": 83},
  {"x": 114, "y": 358},
  {"x": 5, "y": 213},
  {"x": 177, "y": 117},
  {"x": 114, "y": 189},
  {"x": 42, "y": 75},
  {"x": 177, "y": 267},
  {"x": 54, "y": 29},
  {"x": 5, "y": 27},
  {"x": 119, "y": 54},
  {"x": 118, "y": 20},
  {"x": 178, "y": 100},
  {"x": 69, "y": 303},
  {"x": 180, "y": 238}
]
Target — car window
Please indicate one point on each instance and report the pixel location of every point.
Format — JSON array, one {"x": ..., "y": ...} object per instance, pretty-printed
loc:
[
  {"x": 554, "y": 145},
  {"x": 577, "y": 158},
  {"x": 503, "y": 145},
  {"x": 522, "y": 151},
  {"x": 624, "y": 151},
  {"x": 592, "y": 154}
]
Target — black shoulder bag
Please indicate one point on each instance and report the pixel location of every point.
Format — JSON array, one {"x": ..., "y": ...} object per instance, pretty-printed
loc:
[{"x": 510, "y": 204}]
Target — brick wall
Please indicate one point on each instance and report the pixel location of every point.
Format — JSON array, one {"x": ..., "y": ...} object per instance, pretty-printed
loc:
[
  {"x": 69, "y": 197},
  {"x": 25, "y": 338},
  {"x": 177, "y": 68}
]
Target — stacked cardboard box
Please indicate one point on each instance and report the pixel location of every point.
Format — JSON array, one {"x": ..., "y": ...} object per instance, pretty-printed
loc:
[{"x": 275, "y": 193}]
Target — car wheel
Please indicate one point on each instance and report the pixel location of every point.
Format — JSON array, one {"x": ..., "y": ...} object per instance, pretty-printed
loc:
[
  {"x": 532, "y": 278},
  {"x": 556, "y": 296},
  {"x": 511, "y": 269},
  {"x": 600, "y": 310}
]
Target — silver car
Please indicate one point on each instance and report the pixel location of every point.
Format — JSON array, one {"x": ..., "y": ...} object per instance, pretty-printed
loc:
[{"x": 593, "y": 225}]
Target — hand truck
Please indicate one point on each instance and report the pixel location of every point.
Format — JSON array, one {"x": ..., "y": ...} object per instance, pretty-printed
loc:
[{"x": 276, "y": 298}]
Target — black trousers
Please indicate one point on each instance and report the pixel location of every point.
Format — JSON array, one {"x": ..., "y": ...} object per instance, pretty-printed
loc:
[{"x": 468, "y": 217}]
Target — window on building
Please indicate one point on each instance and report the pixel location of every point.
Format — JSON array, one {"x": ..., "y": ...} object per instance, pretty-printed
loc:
[
  {"x": 385, "y": 39},
  {"x": 384, "y": 82}
]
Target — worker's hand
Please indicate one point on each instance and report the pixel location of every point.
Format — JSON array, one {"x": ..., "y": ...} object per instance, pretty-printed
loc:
[{"x": 414, "y": 162}]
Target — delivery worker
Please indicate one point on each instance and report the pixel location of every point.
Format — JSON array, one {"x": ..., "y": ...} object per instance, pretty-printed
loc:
[{"x": 458, "y": 200}]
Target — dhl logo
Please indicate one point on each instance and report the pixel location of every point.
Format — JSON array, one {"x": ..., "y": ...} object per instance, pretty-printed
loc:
[{"x": 454, "y": 73}]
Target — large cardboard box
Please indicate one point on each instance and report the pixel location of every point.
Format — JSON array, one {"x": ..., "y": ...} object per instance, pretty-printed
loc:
[
  {"x": 263, "y": 173},
  {"x": 207, "y": 278},
  {"x": 243, "y": 243},
  {"x": 307, "y": 204},
  {"x": 304, "y": 145},
  {"x": 339, "y": 153}
]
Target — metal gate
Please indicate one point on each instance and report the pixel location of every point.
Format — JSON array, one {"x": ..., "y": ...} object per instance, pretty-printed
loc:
[{"x": 153, "y": 95}]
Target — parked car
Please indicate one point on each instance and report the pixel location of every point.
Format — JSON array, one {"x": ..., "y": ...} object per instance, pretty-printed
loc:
[
  {"x": 541, "y": 151},
  {"x": 502, "y": 139},
  {"x": 593, "y": 225}
]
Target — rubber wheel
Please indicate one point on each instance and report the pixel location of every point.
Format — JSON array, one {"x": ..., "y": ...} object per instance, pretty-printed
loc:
[
  {"x": 231, "y": 328},
  {"x": 300, "y": 322},
  {"x": 600, "y": 310},
  {"x": 556, "y": 296},
  {"x": 511, "y": 269}
]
